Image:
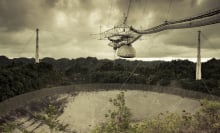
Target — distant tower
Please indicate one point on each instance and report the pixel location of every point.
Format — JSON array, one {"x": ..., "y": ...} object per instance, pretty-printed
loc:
[
  {"x": 198, "y": 64},
  {"x": 37, "y": 47}
]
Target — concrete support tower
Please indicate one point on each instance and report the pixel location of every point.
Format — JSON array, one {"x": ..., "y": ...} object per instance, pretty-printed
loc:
[
  {"x": 37, "y": 47},
  {"x": 198, "y": 64}
]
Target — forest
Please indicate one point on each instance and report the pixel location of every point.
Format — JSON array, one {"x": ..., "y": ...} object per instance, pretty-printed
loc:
[{"x": 21, "y": 75}]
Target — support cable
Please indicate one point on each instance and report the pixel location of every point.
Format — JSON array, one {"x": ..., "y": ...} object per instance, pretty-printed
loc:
[
  {"x": 208, "y": 40},
  {"x": 145, "y": 6},
  {"x": 114, "y": 59},
  {"x": 168, "y": 11},
  {"x": 208, "y": 90},
  {"x": 132, "y": 73},
  {"x": 26, "y": 43},
  {"x": 126, "y": 15},
  {"x": 53, "y": 36},
  {"x": 109, "y": 12}
]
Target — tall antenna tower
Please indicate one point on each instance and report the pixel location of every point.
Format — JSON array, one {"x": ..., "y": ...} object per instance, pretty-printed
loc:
[
  {"x": 198, "y": 64},
  {"x": 37, "y": 47}
]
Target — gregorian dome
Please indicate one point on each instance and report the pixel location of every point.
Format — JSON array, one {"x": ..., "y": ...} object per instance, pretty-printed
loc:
[{"x": 126, "y": 51}]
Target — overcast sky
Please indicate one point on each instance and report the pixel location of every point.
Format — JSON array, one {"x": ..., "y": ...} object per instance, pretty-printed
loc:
[{"x": 65, "y": 27}]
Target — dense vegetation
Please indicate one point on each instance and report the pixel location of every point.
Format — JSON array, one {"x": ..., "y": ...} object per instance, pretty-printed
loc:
[
  {"x": 21, "y": 75},
  {"x": 43, "y": 113},
  {"x": 119, "y": 120}
]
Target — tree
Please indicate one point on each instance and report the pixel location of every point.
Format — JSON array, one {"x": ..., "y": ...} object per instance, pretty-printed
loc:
[
  {"x": 50, "y": 118},
  {"x": 119, "y": 118}
]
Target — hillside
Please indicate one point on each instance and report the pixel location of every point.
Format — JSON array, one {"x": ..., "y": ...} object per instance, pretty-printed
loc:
[{"x": 21, "y": 75}]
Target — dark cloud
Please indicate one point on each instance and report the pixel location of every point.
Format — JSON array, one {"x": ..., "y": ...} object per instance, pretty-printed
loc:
[
  {"x": 66, "y": 25},
  {"x": 23, "y": 14}
]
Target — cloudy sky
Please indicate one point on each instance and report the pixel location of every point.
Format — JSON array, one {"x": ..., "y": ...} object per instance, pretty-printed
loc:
[{"x": 65, "y": 27}]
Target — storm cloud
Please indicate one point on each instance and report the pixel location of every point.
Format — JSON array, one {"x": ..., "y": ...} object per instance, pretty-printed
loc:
[{"x": 66, "y": 27}]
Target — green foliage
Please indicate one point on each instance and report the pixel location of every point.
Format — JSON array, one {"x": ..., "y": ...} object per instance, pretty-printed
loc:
[
  {"x": 211, "y": 69},
  {"x": 41, "y": 113},
  {"x": 18, "y": 76},
  {"x": 165, "y": 123},
  {"x": 11, "y": 127},
  {"x": 25, "y": 78},
  {"x": 50, "y": 118},
  {"x": 209, "y": 117},
  {"x": 176, "y": 69},
  {"x": 119, "y": 118},
  {"x": 8, "y": 127},
  {"x": 116, "y": 77},
  {"x": 206, "y": 86},
  {"x": 164, "y": 82},
  {"x": 206, "y": 120}
]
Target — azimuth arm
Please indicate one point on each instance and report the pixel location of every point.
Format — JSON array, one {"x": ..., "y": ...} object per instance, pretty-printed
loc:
[{"x": 202, "y": 20}]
